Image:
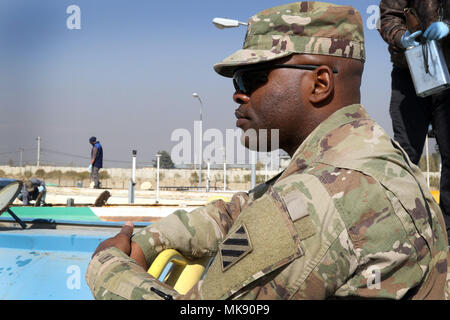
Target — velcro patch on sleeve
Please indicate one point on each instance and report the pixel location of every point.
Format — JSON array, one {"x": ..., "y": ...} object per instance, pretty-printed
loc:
[
  {"x": 295, "y": 205},
  {"x": 236, "y": 246},
  {"x": 298, "y": 212}
]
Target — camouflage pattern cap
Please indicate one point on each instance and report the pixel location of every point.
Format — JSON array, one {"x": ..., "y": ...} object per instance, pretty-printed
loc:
[{"x": 308, "y": 27}]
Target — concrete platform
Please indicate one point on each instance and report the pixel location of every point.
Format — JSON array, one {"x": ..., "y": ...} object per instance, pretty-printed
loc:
[{"x": 85, "y": 196}]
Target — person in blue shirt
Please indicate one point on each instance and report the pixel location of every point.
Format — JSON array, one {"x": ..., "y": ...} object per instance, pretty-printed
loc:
[
  {"x": 33, "y": 189},
  {"x": 96, "y": 161}
]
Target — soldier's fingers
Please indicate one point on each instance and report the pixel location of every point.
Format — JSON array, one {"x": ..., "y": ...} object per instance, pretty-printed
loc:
[{"x": 127, "y": 229}]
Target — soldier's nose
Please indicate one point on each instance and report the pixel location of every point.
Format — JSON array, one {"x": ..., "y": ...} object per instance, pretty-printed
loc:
[{"x": 241, "y": 98}]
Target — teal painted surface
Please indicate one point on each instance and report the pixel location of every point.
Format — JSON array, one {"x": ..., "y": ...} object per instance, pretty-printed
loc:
[
  {"x": 56, "y": 213},
  {"x": 50, "y": 264},
  {"x": 47, "y": 264},
  {"x": 41, "y": 275}
]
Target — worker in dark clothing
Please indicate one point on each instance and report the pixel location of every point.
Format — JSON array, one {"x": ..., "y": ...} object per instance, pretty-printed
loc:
[
  {"x": 411, "y": 115},
  {"x": 33, "y": 189},
  {"x": 96, "y": 160}
]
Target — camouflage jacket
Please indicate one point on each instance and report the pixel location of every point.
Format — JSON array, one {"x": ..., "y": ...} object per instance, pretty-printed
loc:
[
  {"x": 346, "y": 219},
  {"x": 393, "y": 24}
]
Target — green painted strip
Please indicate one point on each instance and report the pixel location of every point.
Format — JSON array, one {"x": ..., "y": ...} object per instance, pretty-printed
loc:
[{"x": 56, "y": 213}]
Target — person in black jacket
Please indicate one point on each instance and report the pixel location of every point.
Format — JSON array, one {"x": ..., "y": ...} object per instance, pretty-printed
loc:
[{"x": 412, "y": 115}]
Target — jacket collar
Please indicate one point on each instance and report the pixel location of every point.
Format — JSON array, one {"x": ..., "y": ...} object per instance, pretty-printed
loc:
[{"x": 316, "y": 144}]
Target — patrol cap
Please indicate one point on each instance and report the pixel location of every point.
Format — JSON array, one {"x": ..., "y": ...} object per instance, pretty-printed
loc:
[{"x": 308, "y": 27}]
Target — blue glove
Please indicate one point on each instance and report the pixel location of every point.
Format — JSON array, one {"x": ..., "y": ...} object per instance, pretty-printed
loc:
[
  {"x": 90, "y": 168},
  {"x": 40, "y": 188},
  {"x": 436, "y": 31},
  {"x": 409, "y": 40}
]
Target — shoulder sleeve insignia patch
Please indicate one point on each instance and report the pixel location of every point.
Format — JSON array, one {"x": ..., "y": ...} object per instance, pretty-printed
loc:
[{"x": 236, "y": 246}]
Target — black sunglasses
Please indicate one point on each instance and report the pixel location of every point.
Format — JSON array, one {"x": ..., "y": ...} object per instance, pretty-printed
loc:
[{"x": 246, "y": 80}]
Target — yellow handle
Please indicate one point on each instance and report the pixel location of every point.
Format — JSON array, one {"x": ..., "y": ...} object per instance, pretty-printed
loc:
[
  {"x": 435, "y": 194},
  {"x": 163, "y": 259},
  {"x": 183, "y": 275}
]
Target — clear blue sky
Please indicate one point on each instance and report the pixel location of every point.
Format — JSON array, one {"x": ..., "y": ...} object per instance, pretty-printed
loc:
[{"x": 128, "y": 75}]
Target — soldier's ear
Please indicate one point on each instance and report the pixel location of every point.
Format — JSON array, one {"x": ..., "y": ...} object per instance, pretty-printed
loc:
[{"x": 323, "y": 86}]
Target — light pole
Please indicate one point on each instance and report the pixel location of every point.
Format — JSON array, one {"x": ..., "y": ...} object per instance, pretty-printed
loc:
[
  {"x": 133, "y": 178},
  {"x": 21, "y": 156},
  {"x": 133, "y": 170},
  {"x": 195, "y": 95},
  {"x": 158, "y": 156},
  {"x": 253, "y": 166},
  {"x": 38, "y": 152}
]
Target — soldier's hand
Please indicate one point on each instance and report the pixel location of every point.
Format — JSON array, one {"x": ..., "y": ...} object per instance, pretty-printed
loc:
[{"x": 121, "y": 241}]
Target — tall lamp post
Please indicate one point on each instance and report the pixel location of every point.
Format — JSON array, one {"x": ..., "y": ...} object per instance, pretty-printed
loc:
[
  {"x": 133, "y": 178},
  {"x": 38, "y": 152},
  {"x": 158, "y": 156},
  {"x": 21, "y": 156},
  {"x": 253, "y": 159},
  {"x": 195, "y": 95}
]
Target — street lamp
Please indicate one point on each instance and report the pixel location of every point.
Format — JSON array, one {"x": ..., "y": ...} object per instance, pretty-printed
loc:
[
  {"x": 133, "y": 178},
  {"x": 38, "y": 152},
  {"x": 133, "y": 170},
  {"x": 223, "y": 23},
  {"x": 21, "y": 156},
  {"x": 195, "y": 95},
  {"x": 253, "y": 159},
  {"x": 158, "y": 156}
]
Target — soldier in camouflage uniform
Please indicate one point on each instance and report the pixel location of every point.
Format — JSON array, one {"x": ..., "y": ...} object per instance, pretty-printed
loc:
[{"x": 351, "y": 216}]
